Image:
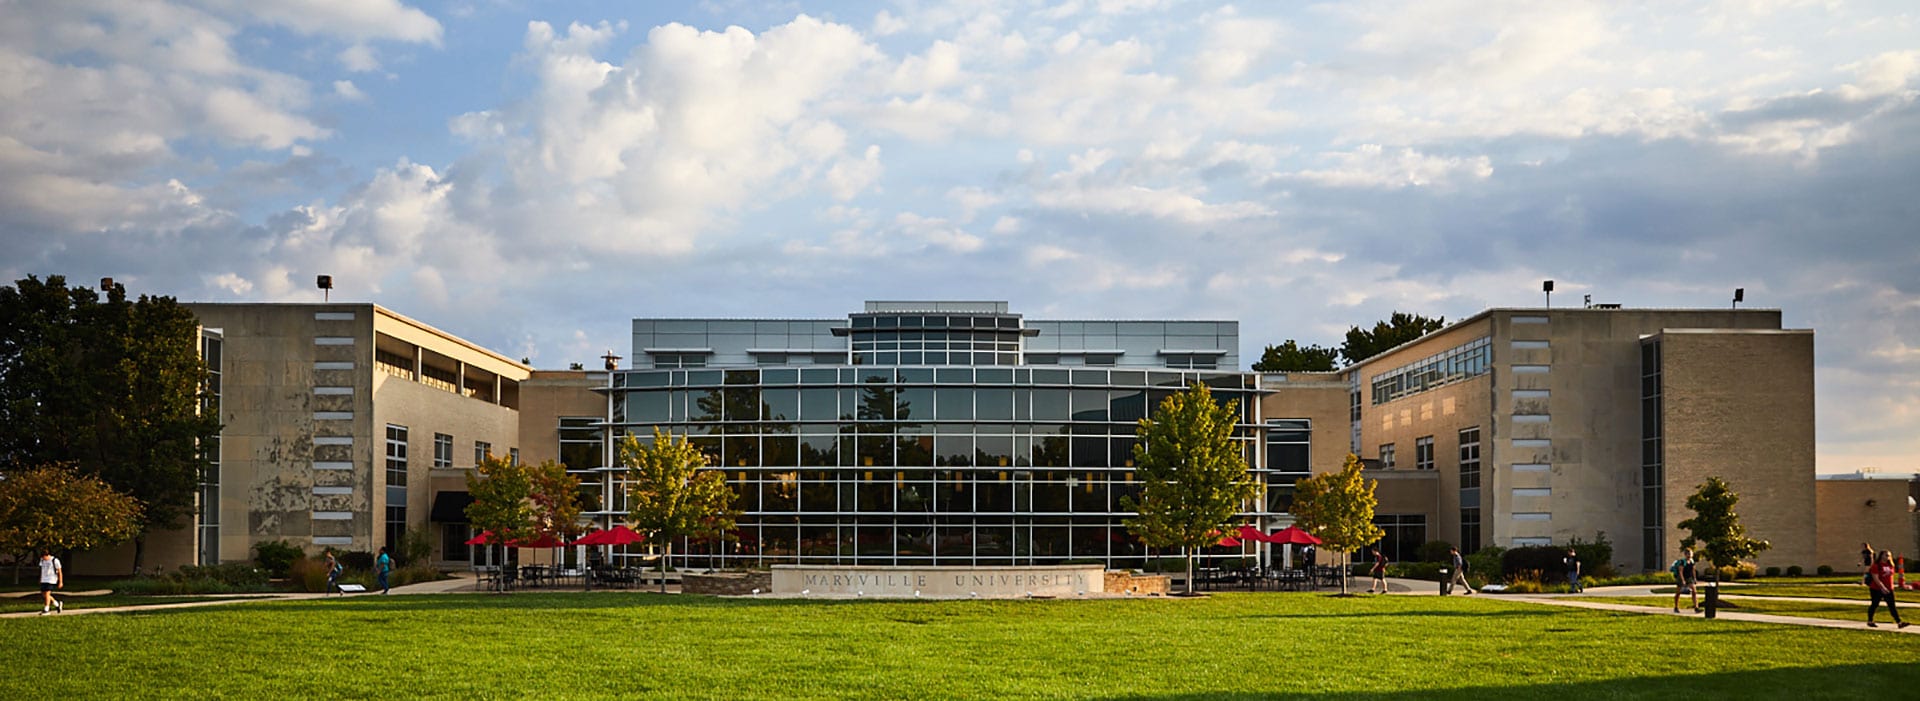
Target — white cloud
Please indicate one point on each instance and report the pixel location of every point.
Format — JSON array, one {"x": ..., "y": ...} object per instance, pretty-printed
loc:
[
  {"x": 359, "y": 58},
  {"x": 360, "y": 19},
  {"x": 1372, "y": 165},
  {"x": 345, "y": 90}
]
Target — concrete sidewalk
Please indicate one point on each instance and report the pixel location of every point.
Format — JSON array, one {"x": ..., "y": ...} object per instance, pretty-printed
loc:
[{"x": 1561, "y": 600}]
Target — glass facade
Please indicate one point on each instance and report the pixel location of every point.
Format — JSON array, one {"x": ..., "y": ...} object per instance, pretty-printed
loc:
[
  {"x": 209, "y": 550},
  {"x": 920, "y": 465},
  {"x": 1470, "y": 490},
  {"x": 1652, "y": 459},
  {"x": 1471, "y": 359},
  {"x": 934, "y": 339},
  {"x": 396, "y": 485}
]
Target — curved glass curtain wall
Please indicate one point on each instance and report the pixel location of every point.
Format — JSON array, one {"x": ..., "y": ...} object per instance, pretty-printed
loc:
[{"x": 914, "y": 465}]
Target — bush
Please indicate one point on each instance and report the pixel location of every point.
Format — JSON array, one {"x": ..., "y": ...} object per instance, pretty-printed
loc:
[
  {"x": 1824, "y": 570},
  {"x": 1532, "y": 558},
  {"x": 308, "y": 574},
  {"x": 1435, "y": 551},
  {"x": 1485, "y": 564},
  {"x": 1429, "y": 571},
  {"x": 1795, "y": 571},
  {"x": 1773, "y": 571},
  {"x": 275, "y": 556},
  {"x": 1596, "y": 558},
  {"x": 356, "y": 560},
  {"x": 1744, "y": 570},
  {"x": 1648, "y": 578},
  {"x": 415, "y": 547},
  {"x": 230, "y": 578},
  {"x": 1524, "y": 582}
]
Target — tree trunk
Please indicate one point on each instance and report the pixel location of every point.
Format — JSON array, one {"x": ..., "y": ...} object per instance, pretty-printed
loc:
[
  {"x": 1346, "y": 568},
  {"x": 139, "y": 553},
  {"x": 666, "y": 553},
  {"x": 1189, "y": 570}
]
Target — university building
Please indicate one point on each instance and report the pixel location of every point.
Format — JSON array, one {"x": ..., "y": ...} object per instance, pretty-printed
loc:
[{"x": 953, "y": 433}]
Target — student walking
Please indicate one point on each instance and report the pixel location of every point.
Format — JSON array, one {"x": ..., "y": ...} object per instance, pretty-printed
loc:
[
  {"x": 1684, "y": 580},
  {"x": 1379, "y": 572},
  {"x": 1459, "y": 572},
  {"x": 1573, "y": 571},
  {"x": 384, "y": 566},
  {"x": 1880, "y": 587},
  {"x": 333, "y": 574},
  {"x": 51, "y": 577},
  {"x": 1866, "y": 556}
]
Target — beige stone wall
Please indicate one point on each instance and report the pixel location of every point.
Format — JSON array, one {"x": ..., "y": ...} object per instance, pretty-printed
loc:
[
  {"x": 1124, "y": 583},
  {"x": 1441, "y": 413},
  {"x": 1321, "y": 397},
  {"x": 1847, "y": 520},
  {"x": 1740, "y": 406},
  {"x": 727, "y": 583},
  {"x": 425, "y": 411},
  {"x": 549, "y": 395}
]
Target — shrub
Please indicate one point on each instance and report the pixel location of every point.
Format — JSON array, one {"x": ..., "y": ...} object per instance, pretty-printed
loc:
[
  {"x": 1429, "y": 571},
  {"x": 1485, "y": 564},
  {"x": 1524, "y": 582},
  {"x": 275, "y": 556},
  {"x": 230, "y": 578},
  {"x": 414, "y": 574},
  {"x": 1532, "y": 558},
  {"x": 1435, "y": 551},
  {"x": 1795, "y": 571},
  {"x": 1824, "y": 570},
  {"x": 1596, "y": 558},
  {"x": 356, "y": 560},
  {"x": 415, "y": 547},
  {"x": 308, "y": 574},
  {"x": 1648, "y": 578},
  {"x": 1744, "y": 570},
  {"x": 1773, "y": 571}
]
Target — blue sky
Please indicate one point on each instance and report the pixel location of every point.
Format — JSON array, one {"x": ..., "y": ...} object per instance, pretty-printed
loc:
[{"x": 532, "y": 176}]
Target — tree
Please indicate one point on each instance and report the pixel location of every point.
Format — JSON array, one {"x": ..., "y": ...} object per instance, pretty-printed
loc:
[
  {"x": 114, "y": 387},
  {"x": 672, "y": 495},
  {"x": 1715, "y": 529},
  {"x": 556, "y": 500},
  {"x": 1291, "y": 357},
  {"x": 1194, "y": 478},
  {"x": 1397, "y": 329},
  {"x": 57, "y": 508},
  {"x": 502, "y": 492},
  {"x": 1337, "y": 507}
]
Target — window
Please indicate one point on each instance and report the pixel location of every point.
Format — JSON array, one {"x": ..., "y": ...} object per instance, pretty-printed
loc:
[
  {"x": 1404, "y": 535},
  {"x": 579, "y": 442},
  {"x": 1470, "y": 359},
  {"x": 453, "y": 541},
  {"x": 481, "y": 449},
  {"x": 1386, "y": 456},
  {"x": 1289, "y": 458},
  {"x": 1470, "y": 458},
  {"x": 442, "y": 451},
  {"x": 1423, "y": 453},
  {"x": 396, "y": 456},
  {"x": 1652, "y": 459},
  {"x": 396, "y": 525},
  {"x": 1192, "y": 361},
  {"x": 1469, "y": 531},
  {"x": 513, "y": 456},
  {"x": 679, "y": 360}
]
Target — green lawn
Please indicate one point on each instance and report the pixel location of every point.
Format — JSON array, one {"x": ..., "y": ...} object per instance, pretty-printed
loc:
[
  {"x": 1855, "y": 591},
  {"x": 19, "y": 603},
  {"x": 1810, "y": 609},
  {"x": 1242, "y": 646}
]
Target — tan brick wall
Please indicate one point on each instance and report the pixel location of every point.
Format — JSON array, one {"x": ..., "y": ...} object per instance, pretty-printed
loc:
[
  {"x": 1441, "y": 413},
  {"x": 549, "y": 395},
  {"x": 1846, "y": 521},
  {"x": 1740, "y": 406}
]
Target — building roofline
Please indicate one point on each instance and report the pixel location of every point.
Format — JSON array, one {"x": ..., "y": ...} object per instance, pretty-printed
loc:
[{"x": 1490, "y": 311}]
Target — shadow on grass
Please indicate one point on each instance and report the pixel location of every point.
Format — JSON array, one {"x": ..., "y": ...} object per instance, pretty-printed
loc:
[{"x": 1831, "y": 682}]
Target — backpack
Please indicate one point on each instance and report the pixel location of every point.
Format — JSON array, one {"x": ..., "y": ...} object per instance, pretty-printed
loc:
[{"x": 1675, "y": 569}]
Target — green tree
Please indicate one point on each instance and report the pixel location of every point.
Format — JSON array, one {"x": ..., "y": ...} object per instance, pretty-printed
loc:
[
  {"x": 1292, "y": 357},
  {"x": 57, "y": 508},
  {"x": 113, "y": 386},
  {"x": 1715, "y": 531},
  {"x": 1397, "y": 329},
  {"x": 673, "y": 496},
  {"x": 502, "y": 507},
  {"x": 1193, "y": 477},
  {"x": 1337, "y": 507},
  {"x": 556, "y": 500}
]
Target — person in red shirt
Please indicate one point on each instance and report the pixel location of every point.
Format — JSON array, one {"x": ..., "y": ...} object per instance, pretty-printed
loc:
[{"x": 1880, "y": 587}]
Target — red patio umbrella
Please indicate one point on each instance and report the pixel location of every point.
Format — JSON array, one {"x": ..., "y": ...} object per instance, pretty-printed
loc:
[
  {"x": 1229, "y": 541},
  {"x": 1253, "y": 534},
  {"x": 480, "y": 539},
  {"x": 617, "y": 535},
  {"x": 545, "y": 541},
  {"x": 1292, "y": 535}
]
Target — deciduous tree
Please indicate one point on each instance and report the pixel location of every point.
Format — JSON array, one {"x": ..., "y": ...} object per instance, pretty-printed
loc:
[
  {"x": 672, "y": 494},
  {"x": 113, "y": 386},
  {"x": 1292, "y": 357},
  {"x": 57, "y": 508},
  {"x": 1337, "y": 507},
  {"x": 1395, "y": 330},
  {"x": 556, "y": 500},
  {"x": 1715, "y": 530},
  {"x": 502, "y": 492},
  {"x": 1194, "y": 478}
]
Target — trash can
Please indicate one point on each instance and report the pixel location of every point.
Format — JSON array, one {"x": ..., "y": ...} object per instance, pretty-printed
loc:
[
  {"x": 1446, "y": 582},
  {"x": 1713, "y": 599}
]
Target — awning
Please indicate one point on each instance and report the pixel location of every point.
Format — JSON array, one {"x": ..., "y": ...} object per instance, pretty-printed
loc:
[{"x": 450, "y": 507}]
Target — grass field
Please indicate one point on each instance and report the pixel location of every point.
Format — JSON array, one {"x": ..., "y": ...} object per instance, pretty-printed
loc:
[
  {"x": 1227, "y": 646},
  {"x": 17, "y": 603},
  {"x": 1839, "y": 611}
]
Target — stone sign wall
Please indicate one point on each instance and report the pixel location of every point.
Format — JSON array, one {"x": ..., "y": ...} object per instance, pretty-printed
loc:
[{"x": 939, "y": 582}]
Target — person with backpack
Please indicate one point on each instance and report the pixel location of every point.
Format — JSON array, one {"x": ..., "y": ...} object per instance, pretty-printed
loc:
[
  {"x": 1684, "y": 580},
  {"x": 333, "y": 574},
  {"x": 1572, "y": 563},
  {"x": 52, "y": 577},
  {"x": 1880, "y": 587},
  {"x": 1460, "y": 571},
  {"x": 384, "y": 566},
  {"x": 1379, "y": 572}
]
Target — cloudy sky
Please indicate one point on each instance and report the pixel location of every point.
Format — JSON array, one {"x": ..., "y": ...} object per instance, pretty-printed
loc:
[{"x": 533, "y": 175}]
